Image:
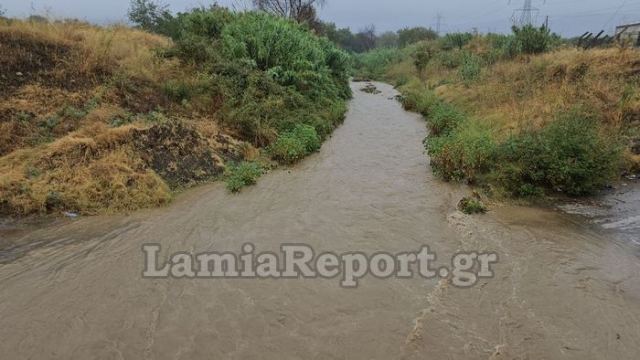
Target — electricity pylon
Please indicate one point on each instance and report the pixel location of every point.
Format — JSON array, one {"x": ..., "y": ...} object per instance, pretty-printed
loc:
[{"x": 528, "y": 14}]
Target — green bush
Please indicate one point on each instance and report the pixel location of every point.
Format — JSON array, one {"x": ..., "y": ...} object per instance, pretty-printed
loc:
[
  {"x": 267, "y": 74},
  {"x": 312, "y": 64},
  {"x": 443, "y": 118},
  {"x": 569, "y": 155},
  {"x": 455, "y": 40},
  {"x": 287, "y": 149},
  {"x": 244, "y": 174},
  {"x": 408, "y": 36},
  {"x": 308, "y": 136},
  {"x": 292, "y": 146},
  {"x": 465, "y": 153},
  {"x": 423, "y": 55},
  {"x": 450, "y": 59},
  {"x": 471, "y": 68},
  {"x": 374, "y": 64},
  {"x": 417, "y": 97},
  {"x": 470, "y": 206},
  {"x": 530, "y": 40}
]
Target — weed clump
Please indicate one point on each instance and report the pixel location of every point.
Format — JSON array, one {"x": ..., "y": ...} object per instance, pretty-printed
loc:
[
  {"x": 470, "y": 69},
  {"x": 242, "y": 175},
  {"x": 464, "y": 152},
  {"x": 471, "y": 206},
  {"x": 292, "y": 146}
]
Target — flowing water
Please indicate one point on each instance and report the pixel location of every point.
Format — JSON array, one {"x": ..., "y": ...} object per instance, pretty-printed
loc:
[{"x": 563, "y": 289}]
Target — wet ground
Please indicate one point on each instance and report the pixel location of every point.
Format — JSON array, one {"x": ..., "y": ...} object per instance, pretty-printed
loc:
[{"x": 563, "y": 289}]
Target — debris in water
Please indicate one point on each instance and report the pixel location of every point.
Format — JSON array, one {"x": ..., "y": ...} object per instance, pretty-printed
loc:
[
  {"x": 360, "y": 79},
  {"x": 472, "y": 205},
  {"x": 370, "y": 89}
]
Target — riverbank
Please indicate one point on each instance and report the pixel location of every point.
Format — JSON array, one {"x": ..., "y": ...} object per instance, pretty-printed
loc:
[
  {"x": 561, "y": 122},
  {"x": 99, "y": 120}
]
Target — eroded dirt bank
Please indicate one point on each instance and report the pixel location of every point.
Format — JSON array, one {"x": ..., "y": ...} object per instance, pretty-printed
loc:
[{"x": 562, "y": 290}]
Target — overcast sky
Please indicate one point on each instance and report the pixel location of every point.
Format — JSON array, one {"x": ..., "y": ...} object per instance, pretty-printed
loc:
[{"x": 568, "y": 17}]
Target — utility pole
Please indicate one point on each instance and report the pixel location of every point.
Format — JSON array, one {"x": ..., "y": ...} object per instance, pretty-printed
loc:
[{"x": 439, "y": 18}]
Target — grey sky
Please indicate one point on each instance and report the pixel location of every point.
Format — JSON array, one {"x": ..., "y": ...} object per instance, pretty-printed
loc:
[{"x": 568, "y": 17}]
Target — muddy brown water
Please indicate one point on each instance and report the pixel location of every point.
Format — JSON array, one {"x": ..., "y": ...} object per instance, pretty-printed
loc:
[{"x": 563, "y": 289}]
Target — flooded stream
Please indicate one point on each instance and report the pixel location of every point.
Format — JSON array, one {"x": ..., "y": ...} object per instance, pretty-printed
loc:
[{"x": 563, "y": 289}]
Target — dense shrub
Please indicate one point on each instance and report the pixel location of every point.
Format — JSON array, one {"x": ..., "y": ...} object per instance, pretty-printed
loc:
[
  {"x": 451, "y": 59},
  {"x": 244, "y": 174},
  {"x": 569, "y": 155},
  {"x": 422, "y": 56},
  {"x": 472, "y": 205},
  {"x": 464, "y": 153},
  {"x": 373, "y": 64},
  {"x": 268, "y": 73},
  {"x": 294, "y": 145},
  {"x": 408, "y": 36},
  {"x": 444, "y": 118},
  {"x": 530, "y": 40},
  {"x": 308, "y": 136},
  {"x": 419, "y": 99},
  {"x": 471, "y": 68},
  {"x": 455, "y": 40}
]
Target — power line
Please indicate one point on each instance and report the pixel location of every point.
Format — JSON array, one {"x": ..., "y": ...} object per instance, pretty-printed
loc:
[{"x": 615, "y": 14}]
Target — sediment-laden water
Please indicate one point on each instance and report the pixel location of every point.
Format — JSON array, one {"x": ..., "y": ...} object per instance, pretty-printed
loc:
[{"x": 563, "y": 289}]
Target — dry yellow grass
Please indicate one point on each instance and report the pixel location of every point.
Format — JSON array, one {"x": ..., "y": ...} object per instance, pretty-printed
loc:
[
  {"x": 527, "y": 92},
  {"x": 72, "y": 138}
]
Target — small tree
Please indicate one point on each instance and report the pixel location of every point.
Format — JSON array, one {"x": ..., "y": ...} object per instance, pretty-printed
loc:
[
  {"x": 388, "y": 39},
  {"x": 413, "y": 35},
  {"x": 423, "y": 56},
  {"x": 456, "y": 40},
  {"x": 302, "y": 11},
  {"x": 366, "y": 39},
  {"x": 532, "y": 40},
  {"x": 149, "y": 15},
  {"x": 2, "y": 11}
]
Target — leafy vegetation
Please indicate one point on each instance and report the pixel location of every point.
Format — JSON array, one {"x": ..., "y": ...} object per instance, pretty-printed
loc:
[
  {"x": 524, "y": 130},
  {"x": 531, "y": 40},
  {"x": 294, "y": 145},
  {"x": 242, "y": 175},
  {"x": 409, "y": 36},
  {"x": 569, "y": 155},
  {"x": 455, "y": 40},
  {"x": 373, "y": 64},
  {"x": 109, "y": 119},
  {"x": 471, "y": 68},
  {"x": 471, "y": 206}
]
